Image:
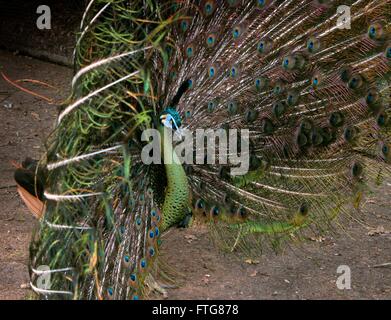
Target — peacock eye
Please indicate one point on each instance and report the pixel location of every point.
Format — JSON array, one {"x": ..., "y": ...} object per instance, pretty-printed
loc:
[
  {"x": 211, "y": 40},
  {"x": 184, "y": 25},
  {"x": 126, "y": 259},
  {"x": 215, "y": 211},
  {"x": 133, "y": 277},
  {"x": 238, "y": 31},
  {"x": 355, "y": 82},
  {"x": 313, "y": 45},
  {"x": 336, "y": 119},
  {"x": 278, "y": 109},
  {"x": 350, "y": 134},
  {"x": 357, "y": 169},
  {"x": 209, "y": 8},
  {"x": 232, "y": 107},
  {"x": 212, "y": 72},
  {"x": 110, "y": 291},
  {"x": 151, "y": 234},
  {"x": 234, "y": 72},
  {"x": 375, "y": 31},
  {"x": 200, "y": 204},
  {"x": 292, "y": 98},
  {"x": 157, "y": 232},
  {"x": 372, "y": 97},
  {"x": 388, "y": 52},
  {"x": 261, "y": 3},
  {"x": 278, "y": 88},
  {"x": 385, "y": 150},
  {"x": 190, "y": 51},
  {"x": 303, "y": 209},
  {"x": 143, "y": 263},
  {"x": 242, "y": 212},
  {"x": 381, "y": 120},
  {"x": 261, "y": 47},
  {"x": 211, "y": 106},
  {"x": 261, "y": 83},
  {"x": 289, "y": 63},
  {"x": 316, "y": 80},
  {"x": 251, "y": 115}
]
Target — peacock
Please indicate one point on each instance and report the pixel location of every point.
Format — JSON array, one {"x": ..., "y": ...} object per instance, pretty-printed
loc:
[{"x": 303, "y": 84}]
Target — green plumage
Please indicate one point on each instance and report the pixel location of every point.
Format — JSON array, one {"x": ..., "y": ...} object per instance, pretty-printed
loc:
[
  {"x": 177, "y": 194},
  {"x": 315, "y": 99}
]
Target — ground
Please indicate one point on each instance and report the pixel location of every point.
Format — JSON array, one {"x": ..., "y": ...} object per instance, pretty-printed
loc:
[{"x": 306, "y": 271}]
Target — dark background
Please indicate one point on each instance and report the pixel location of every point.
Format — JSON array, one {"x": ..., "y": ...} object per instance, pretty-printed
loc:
[{"x": 18, "y": 30}]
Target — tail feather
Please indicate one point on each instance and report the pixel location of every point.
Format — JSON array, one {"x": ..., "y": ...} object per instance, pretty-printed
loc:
[
  {"x": 33, "y": 203},
  {"x": 30, "y": 186}
]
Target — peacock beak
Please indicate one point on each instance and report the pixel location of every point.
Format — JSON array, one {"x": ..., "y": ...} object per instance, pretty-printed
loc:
[{"x": 163, "y": 118}]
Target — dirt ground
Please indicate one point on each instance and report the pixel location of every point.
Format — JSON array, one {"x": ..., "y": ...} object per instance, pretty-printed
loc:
[
  {"x": 305, "y": 272},
  {"x": 18, "y": 30}
]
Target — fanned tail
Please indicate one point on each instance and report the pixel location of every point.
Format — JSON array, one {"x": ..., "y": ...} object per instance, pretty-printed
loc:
[{"x": 314, "y": 96}]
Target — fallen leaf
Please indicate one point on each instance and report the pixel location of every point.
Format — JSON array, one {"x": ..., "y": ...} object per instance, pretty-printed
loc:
[
  {"x": 206, "y": 279},
  {"x": 190, "y": 238},
  {"x": 318, "y": 239},
  {"x": 35, "y": 116},
  {"x": 378, "y": 231},
  {"x": 250, "y": 261}
]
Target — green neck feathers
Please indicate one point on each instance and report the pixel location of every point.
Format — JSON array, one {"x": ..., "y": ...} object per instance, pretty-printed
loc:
[{"x": 177, "y": 193}]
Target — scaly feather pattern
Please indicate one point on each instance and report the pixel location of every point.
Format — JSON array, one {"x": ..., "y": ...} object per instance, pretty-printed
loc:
[{"x": 314, "y": 97}]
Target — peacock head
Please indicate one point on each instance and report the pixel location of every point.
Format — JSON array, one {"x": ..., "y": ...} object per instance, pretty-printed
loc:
[{"x": 170, "y": 118}]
